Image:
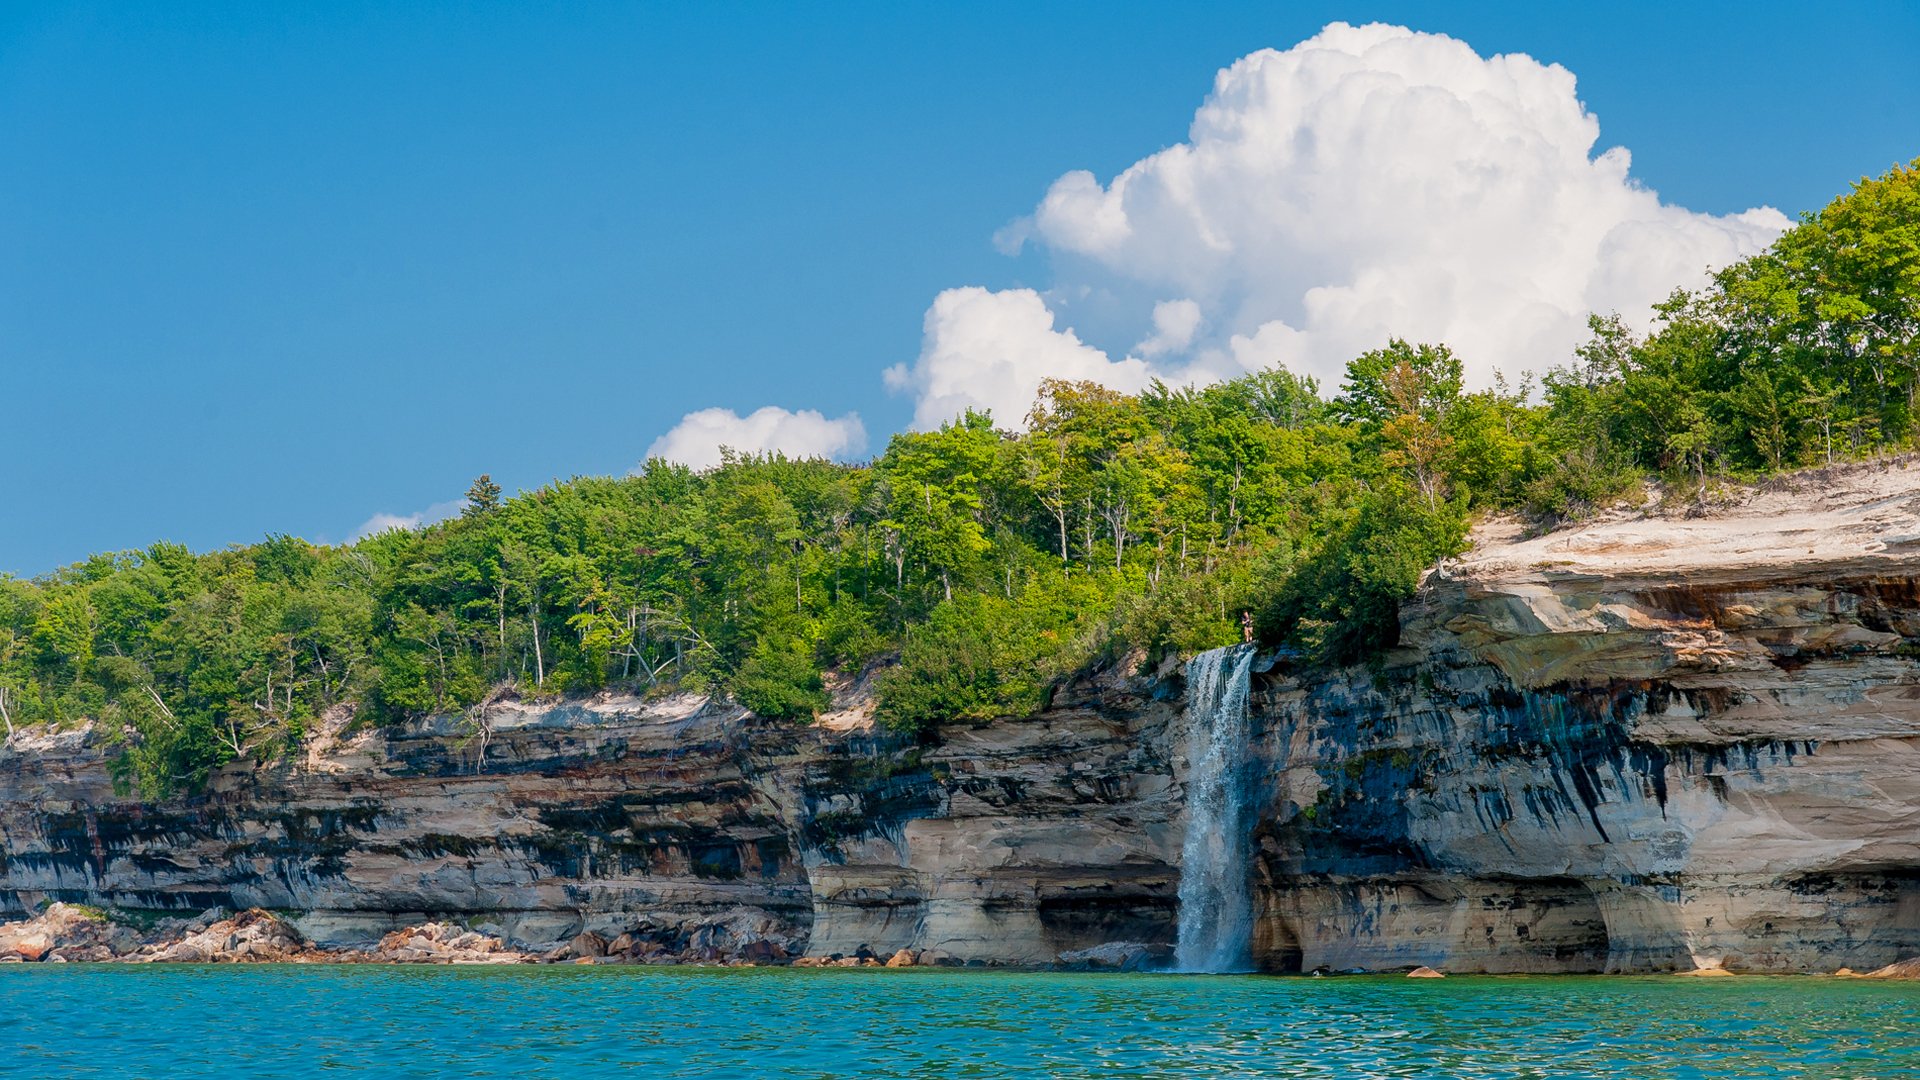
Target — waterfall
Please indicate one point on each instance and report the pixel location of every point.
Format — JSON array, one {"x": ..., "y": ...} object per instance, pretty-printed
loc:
[{"x": 1216, "y": 907}]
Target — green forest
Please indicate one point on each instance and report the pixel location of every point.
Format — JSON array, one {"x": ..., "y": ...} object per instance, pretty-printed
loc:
[{"x": 983, "y": 564}]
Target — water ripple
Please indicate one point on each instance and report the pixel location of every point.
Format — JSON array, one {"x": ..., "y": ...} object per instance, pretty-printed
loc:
[{"x": 270, "y": 1022}]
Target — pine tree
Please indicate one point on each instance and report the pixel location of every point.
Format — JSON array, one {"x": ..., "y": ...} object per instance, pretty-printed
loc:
[{"x": 483, "y": 497}]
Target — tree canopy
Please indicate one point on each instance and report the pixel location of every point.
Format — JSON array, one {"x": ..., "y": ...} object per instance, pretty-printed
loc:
[{"x": 985, "y": 564}]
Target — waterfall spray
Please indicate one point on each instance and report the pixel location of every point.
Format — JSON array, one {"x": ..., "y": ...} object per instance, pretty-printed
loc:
[{"x": 1216, "y": 908}]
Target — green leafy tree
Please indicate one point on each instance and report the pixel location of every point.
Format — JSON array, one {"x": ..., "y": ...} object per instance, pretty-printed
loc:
[{"x": 934, "y": 501}]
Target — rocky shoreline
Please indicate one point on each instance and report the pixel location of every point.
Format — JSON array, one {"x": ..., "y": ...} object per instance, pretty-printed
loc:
[
  {"x": 72, "y": 934},
  {"x": 66, "y": 933},
  {"x": 75, "y": 934}
]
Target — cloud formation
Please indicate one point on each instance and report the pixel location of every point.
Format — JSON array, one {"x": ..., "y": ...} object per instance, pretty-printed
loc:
[
  {"x": 1369, "y": 182},
  {"x": 1174, "y": 324},
  {"x": 384, "y": 521},
  {"x": 989, "y": 350},
  {"x": 697, "y": 439}
]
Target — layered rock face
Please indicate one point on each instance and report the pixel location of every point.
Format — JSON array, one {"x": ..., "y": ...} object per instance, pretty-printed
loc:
[
  {"x": 608, "y": 816},
  {"x": 1023, "y": 839},
  {"x": 1652, "y": 743},
  {"x": 689, "y": 830},
  {"x": 1647, "y": 744}
]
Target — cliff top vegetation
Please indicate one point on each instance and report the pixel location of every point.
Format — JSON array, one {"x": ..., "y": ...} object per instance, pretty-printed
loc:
[{"x": 987, "y": 563}]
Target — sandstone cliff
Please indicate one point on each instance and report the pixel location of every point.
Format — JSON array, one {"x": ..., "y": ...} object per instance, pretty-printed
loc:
[
  {"x": 1650, "y": 743},
  {"x": 1656, "y": 742}
]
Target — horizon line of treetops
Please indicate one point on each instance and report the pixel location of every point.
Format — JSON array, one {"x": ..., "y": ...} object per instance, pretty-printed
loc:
[{"x": 984, "y": 565}]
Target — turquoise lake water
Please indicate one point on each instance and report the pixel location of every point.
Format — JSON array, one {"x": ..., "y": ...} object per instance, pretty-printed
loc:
[{"x": 307, "y": 1021}]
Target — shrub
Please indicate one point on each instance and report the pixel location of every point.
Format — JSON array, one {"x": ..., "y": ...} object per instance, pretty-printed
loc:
[
  {"x": 780, "y": 682},
  {"x": 1343, "y": 602}
]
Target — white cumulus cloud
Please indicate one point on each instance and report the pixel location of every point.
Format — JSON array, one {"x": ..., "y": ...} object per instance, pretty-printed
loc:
[
  {"x": 1174, "y": 324},
  {"x": 384, "y": 521},
  {"x": 989, "y": 350},
  {"x": 1368, "y": 182},
  {"x": 697, "y": 439}
]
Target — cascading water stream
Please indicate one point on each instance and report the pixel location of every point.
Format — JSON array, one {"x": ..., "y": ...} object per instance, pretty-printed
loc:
[{"x": 1216, "y": 907}]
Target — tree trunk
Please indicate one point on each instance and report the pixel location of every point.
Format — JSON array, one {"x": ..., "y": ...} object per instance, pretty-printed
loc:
[
  {"x": 500, "y": 600},
  {"x": 539, "y": 658},
  {"x": 1233, "y": 504}
]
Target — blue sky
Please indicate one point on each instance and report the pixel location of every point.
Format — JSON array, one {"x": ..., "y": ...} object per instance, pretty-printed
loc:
[{"x": 282, "y": 267}]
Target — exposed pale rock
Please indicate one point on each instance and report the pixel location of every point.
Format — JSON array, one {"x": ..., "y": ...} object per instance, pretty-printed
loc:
[
  {"x": 32, "y": 946},
  {"x": 65, "y": 930},
  {"x": 252, "y": 936},
  {"x": 1425, "y": 973},
  {"x": 1902, "y": 969}
]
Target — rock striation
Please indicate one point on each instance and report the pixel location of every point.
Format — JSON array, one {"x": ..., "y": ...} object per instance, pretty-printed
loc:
[
  {"x": 1657, "y": 742},
  {"x": 1652, "y": 743}
]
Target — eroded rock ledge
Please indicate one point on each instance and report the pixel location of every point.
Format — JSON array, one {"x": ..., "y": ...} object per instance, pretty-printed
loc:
[{"x": 1651, "y": 743}]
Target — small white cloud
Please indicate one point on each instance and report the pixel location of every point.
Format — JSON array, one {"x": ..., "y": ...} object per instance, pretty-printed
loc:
[
  {"x": 696, "y": 441},
  {"x": 989, "y": 350},
  {"x": 1174, "y": 324},
  {"x": 383, "y": 521}
]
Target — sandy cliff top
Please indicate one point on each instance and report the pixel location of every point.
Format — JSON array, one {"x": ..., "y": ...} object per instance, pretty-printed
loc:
[{"x": 1866, "y": 514}]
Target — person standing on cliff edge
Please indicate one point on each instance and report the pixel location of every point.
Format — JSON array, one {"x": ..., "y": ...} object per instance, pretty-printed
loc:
[{"x": 1246, "y": 627}]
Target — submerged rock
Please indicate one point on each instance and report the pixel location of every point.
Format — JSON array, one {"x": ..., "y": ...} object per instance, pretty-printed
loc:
[{"x": 1114, "y": 956}]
